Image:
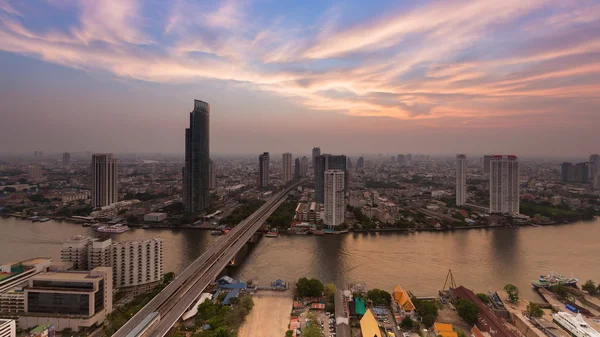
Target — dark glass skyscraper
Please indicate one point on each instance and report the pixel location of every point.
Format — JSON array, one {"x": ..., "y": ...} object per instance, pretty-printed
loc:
[
  {"x": 323, "y": 163},
  {"x": 196, "y": 173}
]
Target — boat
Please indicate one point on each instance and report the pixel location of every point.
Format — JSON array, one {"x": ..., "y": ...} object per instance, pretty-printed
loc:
[
  {"x": 272, "y": 234},
  {"x": 34, "y": 218},
  {"x": 86, "y": 224},
  {"x": 112, "y": 229},
  {"x": 412, "y": 230},
  {"x": 145, "y": 227},
  {"x": 575, "y": 325},
  {"x": 317, "y": 232},
  {"x": 216, "y": 232},
  {"x": 44, "y": 219},
  {"x": 554, "y": 280}
]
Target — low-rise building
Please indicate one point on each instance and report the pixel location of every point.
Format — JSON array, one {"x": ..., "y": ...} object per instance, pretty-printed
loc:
[
  {"x": 444, "y": 330},
  {"x": 556, "y": 200},
  {"x": 369, "y": 326},
  {"x": 155, "y": 217},
  {"x": 69, "y": 299}
]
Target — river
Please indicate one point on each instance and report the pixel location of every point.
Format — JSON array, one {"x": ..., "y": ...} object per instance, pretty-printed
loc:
[{"x": 481, "y": 259}]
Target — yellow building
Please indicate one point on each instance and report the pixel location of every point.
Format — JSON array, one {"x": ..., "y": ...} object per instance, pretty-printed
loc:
[
  {"x": 402, "y": 299},
  {"x": 369, "y": 326},
  {"x": 444, "y": 330}
]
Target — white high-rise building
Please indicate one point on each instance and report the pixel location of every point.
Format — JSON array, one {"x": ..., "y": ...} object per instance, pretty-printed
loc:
[
  {"x": 100, "y": 253},
  {"x": 334, "y": 197},
  {"x": 105, "y": 186},
  {"x": 8, "y": 328},
  {"x": 138, "y": 264},
  {"x": 504, "y": 184},
  {"x": 287, "y": 166},
  {"x": 461, "y": 179},
  {"x": 75, "y": 250}
]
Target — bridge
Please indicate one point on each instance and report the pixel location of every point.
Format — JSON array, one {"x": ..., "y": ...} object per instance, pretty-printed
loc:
[{"x": 177, "y": 297}]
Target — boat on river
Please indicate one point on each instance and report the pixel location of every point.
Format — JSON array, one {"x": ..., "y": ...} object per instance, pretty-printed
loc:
[
  {"x": 112, "y": 229},
  {"x": 272, "y": 234},
  {"x": 554, "y": 280}
]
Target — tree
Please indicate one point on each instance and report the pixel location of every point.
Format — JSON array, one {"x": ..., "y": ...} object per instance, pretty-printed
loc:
[
  {"x": 133, "y": 219},
  {"x": 467, "y": 310},
  {"x": 379, "y": 297},
  {"x": 167, "y": 278},
  {"x": 534, "y": 310},
  {"x": 590, "y": 287},
  {"x": 329, "y": 291},
  {"x": 512, "y": 291},
  {"x": 407, "y": 323},
  {"x": 428, "y": 311},
  {"x": 561, "y": 291},
  {"x": 289, "y": 333},
  {"x": 484, "y": 298},
  {"x": 309, "y": 287}
]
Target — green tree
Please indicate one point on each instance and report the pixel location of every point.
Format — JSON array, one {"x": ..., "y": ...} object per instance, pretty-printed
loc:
[
  {"x": 427, "y": 310},
  {"x": 561, "y": 291},
  {"x": 512, "y": 291},
  {"x": 534, "y": 310},
  {"x": 379, "y": 297},
  {"x": 329, "y": 291},
  {"x": 407, "y": 323},
  {"x": 313, "y": 329},
  {"x": 289, "y": 333},
  {"x": 467, "y": 310},
  {"x": 167, "y": 278},
  {"x": 590, "y": 287},
  {"x": 309, "y": 287},
  {"x": 484, "y": 298}
]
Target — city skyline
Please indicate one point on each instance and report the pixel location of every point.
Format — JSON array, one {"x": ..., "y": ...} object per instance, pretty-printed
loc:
[{"x": 351, "y": 79}]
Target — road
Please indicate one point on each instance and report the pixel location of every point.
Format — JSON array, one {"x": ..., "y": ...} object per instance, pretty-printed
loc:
[{"x": 185, "y": 289}]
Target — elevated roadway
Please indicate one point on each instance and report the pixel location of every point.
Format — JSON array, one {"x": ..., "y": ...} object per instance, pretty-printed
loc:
[{"x": 185, "y": 289}]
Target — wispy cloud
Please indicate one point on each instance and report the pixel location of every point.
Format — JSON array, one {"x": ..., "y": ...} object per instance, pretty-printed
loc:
[{"x": 435, "y": 62}]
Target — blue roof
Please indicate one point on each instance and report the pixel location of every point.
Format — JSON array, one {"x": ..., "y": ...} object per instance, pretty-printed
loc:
[
  {"x": 231, "y": 295},
  {"x": 240, "y": 285}
]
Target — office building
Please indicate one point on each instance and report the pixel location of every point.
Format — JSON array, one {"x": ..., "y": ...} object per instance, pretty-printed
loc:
[
  {"x": 408, "y": 158},
  {"x": 486, "y": 163},
  {"x": 15, "y": 276},
  {"x": 400, "y": 159},
  {"x": 212, "y": 173},
  {"x": 578, "y": 173},
  {"x": 349, "y": 164},
  {"x": 287, "y": 166},
  {"x": 303, "y": 166},
  {"x": 594, "y": 166},
  {"x": 297, "y": 167},
  {"x": 315, "y": 152},
  {"x": 196, "y": 175},
  {"x": 105, "y": 186},
  {"x": 75, "y": 251},
  {"x": 68, "y": 299},
  {"x": 324, "y": 163},
  {"x": 8, "y": 328},
  {"x": 360, "y": 163},
  {"x": 461, "y": 179},
  {"x": 263, "y": 170},
  {"x": 138, "y": 265},
  {"x": 66, "y": 160},
  {"x": 393, "y": 159},
  {"x": 504, "y": 184},
  {"x": 334, "y": 202},
  {"x": 99, "y": 253},
  {"x": 34, "y": 172}
]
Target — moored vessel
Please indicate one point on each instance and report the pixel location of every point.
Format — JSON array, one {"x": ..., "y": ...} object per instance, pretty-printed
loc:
[
  {"x": 112, "y": 229},
  {"x": 554, "y": 280}
]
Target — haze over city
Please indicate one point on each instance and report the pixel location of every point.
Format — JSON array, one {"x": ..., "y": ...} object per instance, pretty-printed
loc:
[{"x": 427, "y": 77}]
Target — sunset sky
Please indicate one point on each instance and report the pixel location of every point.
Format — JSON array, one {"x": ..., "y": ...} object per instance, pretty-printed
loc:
[{"x": 510, "y": 76}]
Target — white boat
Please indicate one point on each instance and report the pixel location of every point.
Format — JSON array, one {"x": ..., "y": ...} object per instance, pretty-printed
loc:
[
  {"x": 574, "y": 325},
  {"x": 114, "y": 229}
]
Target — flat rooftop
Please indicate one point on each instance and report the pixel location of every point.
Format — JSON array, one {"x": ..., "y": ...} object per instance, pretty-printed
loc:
[{"x": 65, "y": 276}]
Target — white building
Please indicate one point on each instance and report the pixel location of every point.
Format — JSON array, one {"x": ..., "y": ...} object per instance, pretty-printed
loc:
[
  {"x": 461, "y": 179},
  {"x": 34, "y": 172},
  {"x": 99, "y": 253},
  {"x": 334, "y": 197},
  {"x": 504, "y": 184},
  {"x": 8, "y": 328},
  {"x": 75, "y": 250},
  {"x": 138, "y": 265},
  {"x": 287, "y": 166},
  {"x": 155, "y": 217},
  {"x": 105, "y": 186}
]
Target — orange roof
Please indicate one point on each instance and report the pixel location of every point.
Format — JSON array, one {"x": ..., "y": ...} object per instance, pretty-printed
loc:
[
  {"x": 439, "y": 327},
  {"x": 369, "y": 326},
  {"x": 401, "y": 297}
]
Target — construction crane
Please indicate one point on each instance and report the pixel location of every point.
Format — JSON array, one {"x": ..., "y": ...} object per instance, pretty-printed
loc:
[{"x": 451, "y": 284}]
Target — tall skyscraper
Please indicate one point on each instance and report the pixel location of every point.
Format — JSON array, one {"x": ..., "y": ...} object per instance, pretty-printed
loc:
[
  {"x": 349, "y": 164},
  {"x": 297, "y": 168},
  {"x": 486, "y": 163},
  {"x": 34, "y": 172},
  {"x": 303, "y": 166},
  {"x": 504, "y": 184},
  {"x": 287, "y": 166},
  {"x": 263, "y": 170},
  {"x": 66, "y": 160},
  {"x": 315, "y": 152},
  {"x": 461, "y": 179},
  {"x": 196, "y": 175},
  {"x": 105, "y": 180},
  {"x": 360, "y": 163},
  {"x": 408, "y": 158},
  {"x": 138, "y": 264},
  {"x": 578, "y": 173},
  {"x": 334, "y": 197},
  {"x": 594, "y": 166},
  {"x": 212, "y": 174},
  {"x": 323, "y": 163}
]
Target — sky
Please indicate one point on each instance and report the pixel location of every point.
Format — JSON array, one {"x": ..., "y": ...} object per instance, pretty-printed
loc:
[{"x": 379, "y": 76}]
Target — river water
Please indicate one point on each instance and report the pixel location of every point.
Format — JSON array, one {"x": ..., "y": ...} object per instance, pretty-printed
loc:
[{"x": 481, "y": 259}]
